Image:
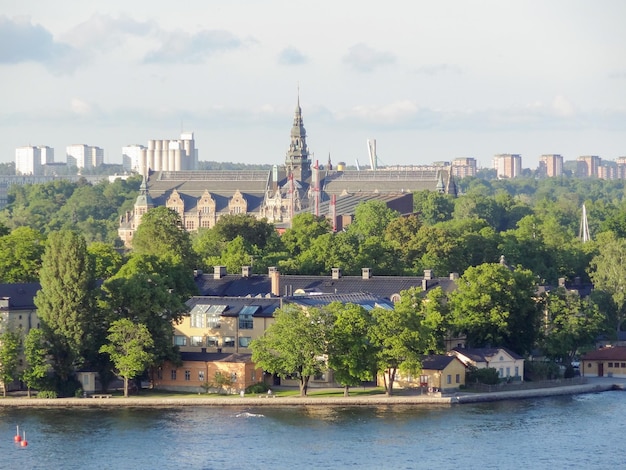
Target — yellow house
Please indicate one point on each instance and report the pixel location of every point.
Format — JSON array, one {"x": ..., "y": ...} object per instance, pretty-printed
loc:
[
  {"x": 197, "y": 373},
  {"x": 605, "y": 362},
  {"x": 440, "y": 373}
]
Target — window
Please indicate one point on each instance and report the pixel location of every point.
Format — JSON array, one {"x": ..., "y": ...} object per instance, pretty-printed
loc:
[
  {"x": 212, "y": 341},
  {"x": 201, "y": 375},
  {"x": 244, "y": 341},
  {"x": 187, "y": 375},
  {"x": 457, "y": 378},
  {"x": 213, "y": 314},
  {"x": 173, "y": 374},
  {"x": 180, "y": 340},
  {"x": 508, "y": 371},
  {"x": 197, "y": 341},
  {"x": 246, "y": 321},
  {"x": 610, "y": 364},
  {"x": 197, "y": 319},
  {"x": 233, "y": 377},
  {"x": 623, "y": 364},
  {"x": 253, "y": 376},
  {"x": 449, "y": 379},
  {"x": 516, "y": 371},
  {"x": 229, "y": 342},
  {"x": 500, "y": 372},
  {"x": 160, "y": 374}
]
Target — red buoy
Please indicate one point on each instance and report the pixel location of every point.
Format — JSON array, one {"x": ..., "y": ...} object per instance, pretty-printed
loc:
[
  {"x": 24, "y": 442},
  {"x": 17, "y": 437}
]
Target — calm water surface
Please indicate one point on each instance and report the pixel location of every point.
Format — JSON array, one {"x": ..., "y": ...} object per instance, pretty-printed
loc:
[{"x": 584, "y": 431}]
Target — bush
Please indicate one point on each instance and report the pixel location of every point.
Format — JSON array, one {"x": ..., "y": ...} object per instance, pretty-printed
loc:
[
  {"x": 487, "y": 376},
  {"x": 47, "y": 394},
  {"x": 259, "y": 387},
  {"x": 540, "y": 370}
]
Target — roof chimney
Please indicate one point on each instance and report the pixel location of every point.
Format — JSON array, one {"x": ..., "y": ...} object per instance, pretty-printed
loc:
[
  {"x": 454, "y": 276},
  {"x": 246, "y": 271},
  {"x": 424, "y": 284},
  {"x": 366, "y": 273},
  {"x": 274, "y": 276},
  {"x": 428, "y": 274},
  {"x": 336, "y": 273},
  {"x": 561, "y": 282},
  {"x": 219, "y": 272}
]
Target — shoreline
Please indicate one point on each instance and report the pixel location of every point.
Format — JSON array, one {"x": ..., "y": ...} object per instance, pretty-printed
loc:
[{"x": 263, "y": 401}]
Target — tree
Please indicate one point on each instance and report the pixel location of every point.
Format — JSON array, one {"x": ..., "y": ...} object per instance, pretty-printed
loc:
[
  {"x": 20, "y": 255},
  {"x": 295, "y": 344},
  {"x": 66, "y": 301},
  {"x": 608, "y": 272},
  {"x": 37, "y": 367},
  {"x": 572, "y": 322},
  {"x": 105, "y": 258},
  {"x": 161, "y": 233},
  {"x": 305, "y": 228},
  {"x": 9, "y": 350},
  {"x": 350, "y": 354},
  {"x": 128, "y": 347},
  {"x": 496, "y": 306},
  {"x": 403, "y": 335},
  {"x": 371, "y": 218},
  {"x": 150, "y": 291}
]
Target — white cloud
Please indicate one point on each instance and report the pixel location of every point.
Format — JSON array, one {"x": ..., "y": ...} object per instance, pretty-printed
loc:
[
  {"x": 363, "y": 58},
  {"x": 563, "y": 107},
  {"x": 80, "y": 107},
  {"x": 182, "y": 47},
  {"x": 291, "y": 56}
]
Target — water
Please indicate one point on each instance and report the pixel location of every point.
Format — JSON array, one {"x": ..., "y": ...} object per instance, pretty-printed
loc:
[{"x": 582, "y": 431}]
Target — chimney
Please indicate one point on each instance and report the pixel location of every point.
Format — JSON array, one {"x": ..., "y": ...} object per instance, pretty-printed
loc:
[
  {"x": 219, "y": 272},
  {"x": 428, "y": 274},
  {"x": 336, "y": 273},
  {"x": 424, "y": 284},
  {"x": 366, "y": 273},
  {"x": 561, "y": 282},
  {"x": 274, "y": 276},
  {"x": 246, "y": 271},
  {"x": 454, "y": 276}
]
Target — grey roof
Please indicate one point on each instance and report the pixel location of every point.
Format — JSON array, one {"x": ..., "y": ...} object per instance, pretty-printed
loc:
[
  {"x": 365, "y": 300},
  {"x": 21, "y": 296},
  {"x": 484, "y": 354},
  {"x": 260, "y": 285},
  {"x": 353, "y": 181},
  {"x": 346, "y": 203},
  {"x": 215, "y": 357},
  {"x": 437, "y": 361},
  {"x": 234, "y": 305}
]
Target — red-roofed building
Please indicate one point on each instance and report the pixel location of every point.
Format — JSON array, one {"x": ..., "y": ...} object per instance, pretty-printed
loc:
[{"x": 604, "y": 362}]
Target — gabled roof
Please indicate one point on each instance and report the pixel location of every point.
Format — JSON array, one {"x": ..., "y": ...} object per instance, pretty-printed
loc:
[
  {"x": 611, "y": 353},
  {"x": 485, "y": 354},
  {"x": 290, "y": 284},
  {"x": 437, "y": 361},
  {"x": 21, "y": 296}
]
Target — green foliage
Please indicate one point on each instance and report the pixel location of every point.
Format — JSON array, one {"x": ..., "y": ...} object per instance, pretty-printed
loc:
[
  {"x": 161, "y": 233},
  {"x": 495, "y": 306},
  {"x": 486, "y": 375},
  {"x": 258, "y": 387},
  {"x": 371, "y": 218},
  {"x": 221, "y": 382},
  {"x": 541, "y": 370},
  {"x": 9, "y": 350},
  {"x": 20, "y": 255},
  {"x": 66, "y": 303},
  {"x": 295, "y": 343},
  {"x": 36, "y": 370},
  {"x": 105, "y": 259},
  {"x": 129, "y": 348},
  {"x": 47, "y": 394}
]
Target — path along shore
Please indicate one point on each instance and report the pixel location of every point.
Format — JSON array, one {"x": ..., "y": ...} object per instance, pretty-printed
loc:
[{"x": 593, "y": 386}]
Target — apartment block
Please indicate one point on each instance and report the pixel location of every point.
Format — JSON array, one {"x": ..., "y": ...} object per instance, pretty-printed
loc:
[
  {"x": 551, "y": 165},
  {"x": 588, "y": 166},
  {"x": 462, "y": 167},
  {"x": 84, "y": 156},
  {"x": 508, "y": 165}
]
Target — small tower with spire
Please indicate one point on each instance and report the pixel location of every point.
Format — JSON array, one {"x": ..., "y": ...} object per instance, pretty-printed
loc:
[
  {"x": 142, "y": 205},
  {"x": 297, "y": 160}
]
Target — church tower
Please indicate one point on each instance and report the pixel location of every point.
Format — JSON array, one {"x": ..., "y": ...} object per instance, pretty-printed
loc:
[
  {"x": 297, "y": 160},
  {"x": 142, "y": 205}
]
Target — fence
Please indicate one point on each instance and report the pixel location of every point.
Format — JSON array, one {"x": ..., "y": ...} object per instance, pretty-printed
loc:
[{"x": 507, "y": 387}]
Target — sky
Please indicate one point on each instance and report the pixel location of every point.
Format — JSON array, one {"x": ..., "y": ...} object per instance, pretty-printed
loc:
[{"x": 428, "y": 80}]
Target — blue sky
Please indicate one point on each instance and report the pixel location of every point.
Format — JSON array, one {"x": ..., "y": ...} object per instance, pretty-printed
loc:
[{"x": 428, "y": 80}]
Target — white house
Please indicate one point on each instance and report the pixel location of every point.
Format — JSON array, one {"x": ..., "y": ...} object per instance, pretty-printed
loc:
[{"x": 506, "y": 362}]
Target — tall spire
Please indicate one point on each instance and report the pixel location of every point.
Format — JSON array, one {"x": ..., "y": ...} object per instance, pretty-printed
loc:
[{"x": 297, "y": 158}]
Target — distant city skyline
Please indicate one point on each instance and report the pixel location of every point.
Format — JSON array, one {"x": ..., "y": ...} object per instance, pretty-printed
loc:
[{"x": 430, "y": 81}]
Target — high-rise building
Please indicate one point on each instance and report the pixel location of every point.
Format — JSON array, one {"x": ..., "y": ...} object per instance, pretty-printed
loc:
[
  {"x": 132, "y": 158},
  {"x": 507, "y": 165},
  {"x": 462, "y": 167},
  {"x": 621, "y": 167},
  {"x": 608, "y": 170},
  {"x": 588, "y": 166},
  {"x": 29, "y": 160},
  {"x": 551, "y": 165},
  {"x": 84, "y": 156}
]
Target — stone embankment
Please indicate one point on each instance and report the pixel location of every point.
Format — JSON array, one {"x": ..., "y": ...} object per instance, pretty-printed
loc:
[{"x": 263, "y": 400}]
